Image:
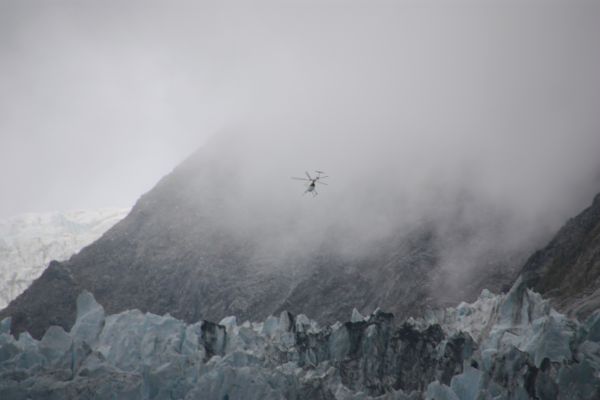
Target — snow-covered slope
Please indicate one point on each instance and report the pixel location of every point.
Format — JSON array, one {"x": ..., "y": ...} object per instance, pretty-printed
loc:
[
  {"x": 520, "y": 349},
  {"x": 29, "y": 242}
]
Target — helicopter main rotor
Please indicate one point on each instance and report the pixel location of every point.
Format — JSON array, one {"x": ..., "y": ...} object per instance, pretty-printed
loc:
[{"x": 311, "y": 179}]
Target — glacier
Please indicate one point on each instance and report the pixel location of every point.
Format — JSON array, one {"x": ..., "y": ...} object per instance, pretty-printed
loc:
[
  {"x": 508, "y": 346},
  {"x": 28, "y": 242}
]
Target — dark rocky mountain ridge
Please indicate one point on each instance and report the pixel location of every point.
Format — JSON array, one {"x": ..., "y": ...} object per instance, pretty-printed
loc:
[
  {"x": 568, "y": 269},
  {"x": 198, "y": 247}
]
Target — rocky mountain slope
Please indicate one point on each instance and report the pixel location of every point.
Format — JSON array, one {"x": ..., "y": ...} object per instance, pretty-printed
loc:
[
  {"x": 568, "y": 268},
  {"x": 204, "y": 244},
  {"x": 512, "y": 346},
  {"x": 29, "y": 242}
]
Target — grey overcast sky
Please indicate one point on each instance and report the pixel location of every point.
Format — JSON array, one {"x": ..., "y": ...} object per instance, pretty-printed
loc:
[{"x": 100, "y": 99}]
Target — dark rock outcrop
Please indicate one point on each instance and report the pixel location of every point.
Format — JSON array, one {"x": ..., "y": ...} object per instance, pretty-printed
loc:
[{"x": 567, "y": 270}]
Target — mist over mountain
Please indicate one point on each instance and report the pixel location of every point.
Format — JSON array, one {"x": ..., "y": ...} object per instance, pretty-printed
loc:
[
  {"x": 229, "y": 233},
  {"x": 100, "y": 100},
  {"x": 458, "y": 138}
]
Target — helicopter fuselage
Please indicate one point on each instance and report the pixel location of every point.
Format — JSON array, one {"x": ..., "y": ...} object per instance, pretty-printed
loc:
[{"x": 311, "y": 186}]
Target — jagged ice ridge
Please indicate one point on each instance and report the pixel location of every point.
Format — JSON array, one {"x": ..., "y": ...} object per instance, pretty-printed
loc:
[{"x": 512, "y": 346}]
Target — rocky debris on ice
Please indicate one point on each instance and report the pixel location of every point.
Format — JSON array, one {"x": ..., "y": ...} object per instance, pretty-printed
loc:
[{"x": 512, "y": 346}]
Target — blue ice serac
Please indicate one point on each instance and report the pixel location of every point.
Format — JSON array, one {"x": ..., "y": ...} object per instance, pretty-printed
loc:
[{"x": 510, "y": 346}]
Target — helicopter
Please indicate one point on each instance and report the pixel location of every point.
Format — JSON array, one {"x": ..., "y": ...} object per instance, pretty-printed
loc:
[{"x": 312, "y": 181}]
